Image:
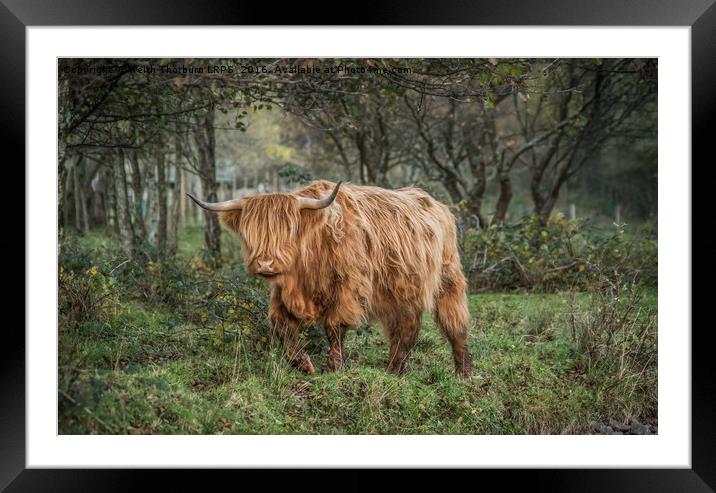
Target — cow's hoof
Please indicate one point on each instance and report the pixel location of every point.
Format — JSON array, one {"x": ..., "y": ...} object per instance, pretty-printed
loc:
[
  {"x": 305, "y": 365},
  {"x": 334, "y": 364},
  {"x": 309, "y": 369}
]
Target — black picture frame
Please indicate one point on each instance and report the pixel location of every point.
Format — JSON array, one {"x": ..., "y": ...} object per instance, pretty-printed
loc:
[{"x": 16, "y": 15}]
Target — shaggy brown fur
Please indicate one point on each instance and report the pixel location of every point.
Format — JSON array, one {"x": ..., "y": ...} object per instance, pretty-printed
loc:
[{"x": 373, "y": 254}]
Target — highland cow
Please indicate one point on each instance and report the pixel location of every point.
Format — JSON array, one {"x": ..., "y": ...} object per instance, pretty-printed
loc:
[{"x": 337, "y": 256}]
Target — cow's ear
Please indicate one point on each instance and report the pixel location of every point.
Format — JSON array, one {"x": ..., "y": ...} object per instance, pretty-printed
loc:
[{"x": 231, "y": 219}]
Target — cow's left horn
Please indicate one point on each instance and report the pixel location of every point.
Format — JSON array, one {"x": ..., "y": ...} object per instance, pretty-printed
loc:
[
  {"x": 228, "y": 205},
  {"x": 307, "y": 203}
]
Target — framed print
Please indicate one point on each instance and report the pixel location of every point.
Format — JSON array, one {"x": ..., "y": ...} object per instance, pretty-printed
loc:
[{"x": 359, "y": 247}]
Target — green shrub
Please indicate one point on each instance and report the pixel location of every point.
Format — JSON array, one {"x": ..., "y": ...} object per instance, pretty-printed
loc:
[
  {"x": 84, "y": 296},
  {"x": 226, "y": 305},
  {"x": 561, "y": 255},
  {"x": 614, "y": 341}
]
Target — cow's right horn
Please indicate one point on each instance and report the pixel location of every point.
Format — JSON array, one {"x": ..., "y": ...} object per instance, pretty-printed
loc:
[
  {"x": 228, "y": 205},
  {"x": 308, "y": 203}
]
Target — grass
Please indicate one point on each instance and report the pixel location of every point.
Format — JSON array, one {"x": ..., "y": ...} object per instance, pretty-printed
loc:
[
  {"x": 143, "y": 368},
  {"x": 140, "y": 374}
]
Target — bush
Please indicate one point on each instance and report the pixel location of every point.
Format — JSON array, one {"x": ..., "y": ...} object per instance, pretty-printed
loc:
[
  {"x": 615, "y": 344},
  {"x": 225, "y": 305},
  {"x": 561, "y": 255},
  {"x": 84, "y": 296}
]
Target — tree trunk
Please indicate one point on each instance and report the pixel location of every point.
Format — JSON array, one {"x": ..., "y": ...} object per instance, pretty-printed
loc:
[
  {"x": 138, "y": 191},
  {"x": 548, "y": 205},
  {"x": 365, "y": 177},
  {"x": 66, "y": 197},
  {"x": 162, "y": 199},
  {"x": 122, "y": 204},
  {"x": 206, "y": 146},
  {"x": 503, "y": 201},
  {"x": 547, "y": 208},
  {"x": 537, "y": 198},
  {"x": 195, "y": 213},
  {"x": 182, "y": 196},
  {"x": 83, "y": 205},
  {"x": 474, "y": 208},
  {"x": 99, "y": 209},
  {"x": 453, "y": 190},
  {"x": 477, "y": 192},
  {"x": 151, "y": 221},
  {"x": 61, "y": 191},
  {"x": 177, "y": 198},
  {"x": 112, "y": 201},
  {"x": 98, "y": 187},
  {"x": 76, "y": 195}
]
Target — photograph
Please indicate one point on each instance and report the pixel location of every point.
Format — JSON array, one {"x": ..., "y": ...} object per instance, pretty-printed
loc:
[{"x": 357, "y": 246}]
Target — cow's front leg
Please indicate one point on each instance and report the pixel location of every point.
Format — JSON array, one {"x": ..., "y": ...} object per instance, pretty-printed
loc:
[
  {"x": 287, "y": 328},
  {"x": 402, "y": 331},
  {"x": 336, "y": 333},
  {"x": 337, "y": 323}
]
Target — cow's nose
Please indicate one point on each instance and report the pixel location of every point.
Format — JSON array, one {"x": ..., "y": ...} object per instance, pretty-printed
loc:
[{"x": 264, "y": 265}]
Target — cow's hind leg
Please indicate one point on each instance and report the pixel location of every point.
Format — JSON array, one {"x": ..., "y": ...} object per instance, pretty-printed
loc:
[
  {"x": 453, "y": 319},
  {"x": 286, "y": 328},
  {"x": 336, "y": 356},
  {"x": 402, "y": 330}
]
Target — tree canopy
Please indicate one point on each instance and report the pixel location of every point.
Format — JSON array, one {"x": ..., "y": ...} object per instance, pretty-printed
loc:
[{"x": 496, "y": 138}]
